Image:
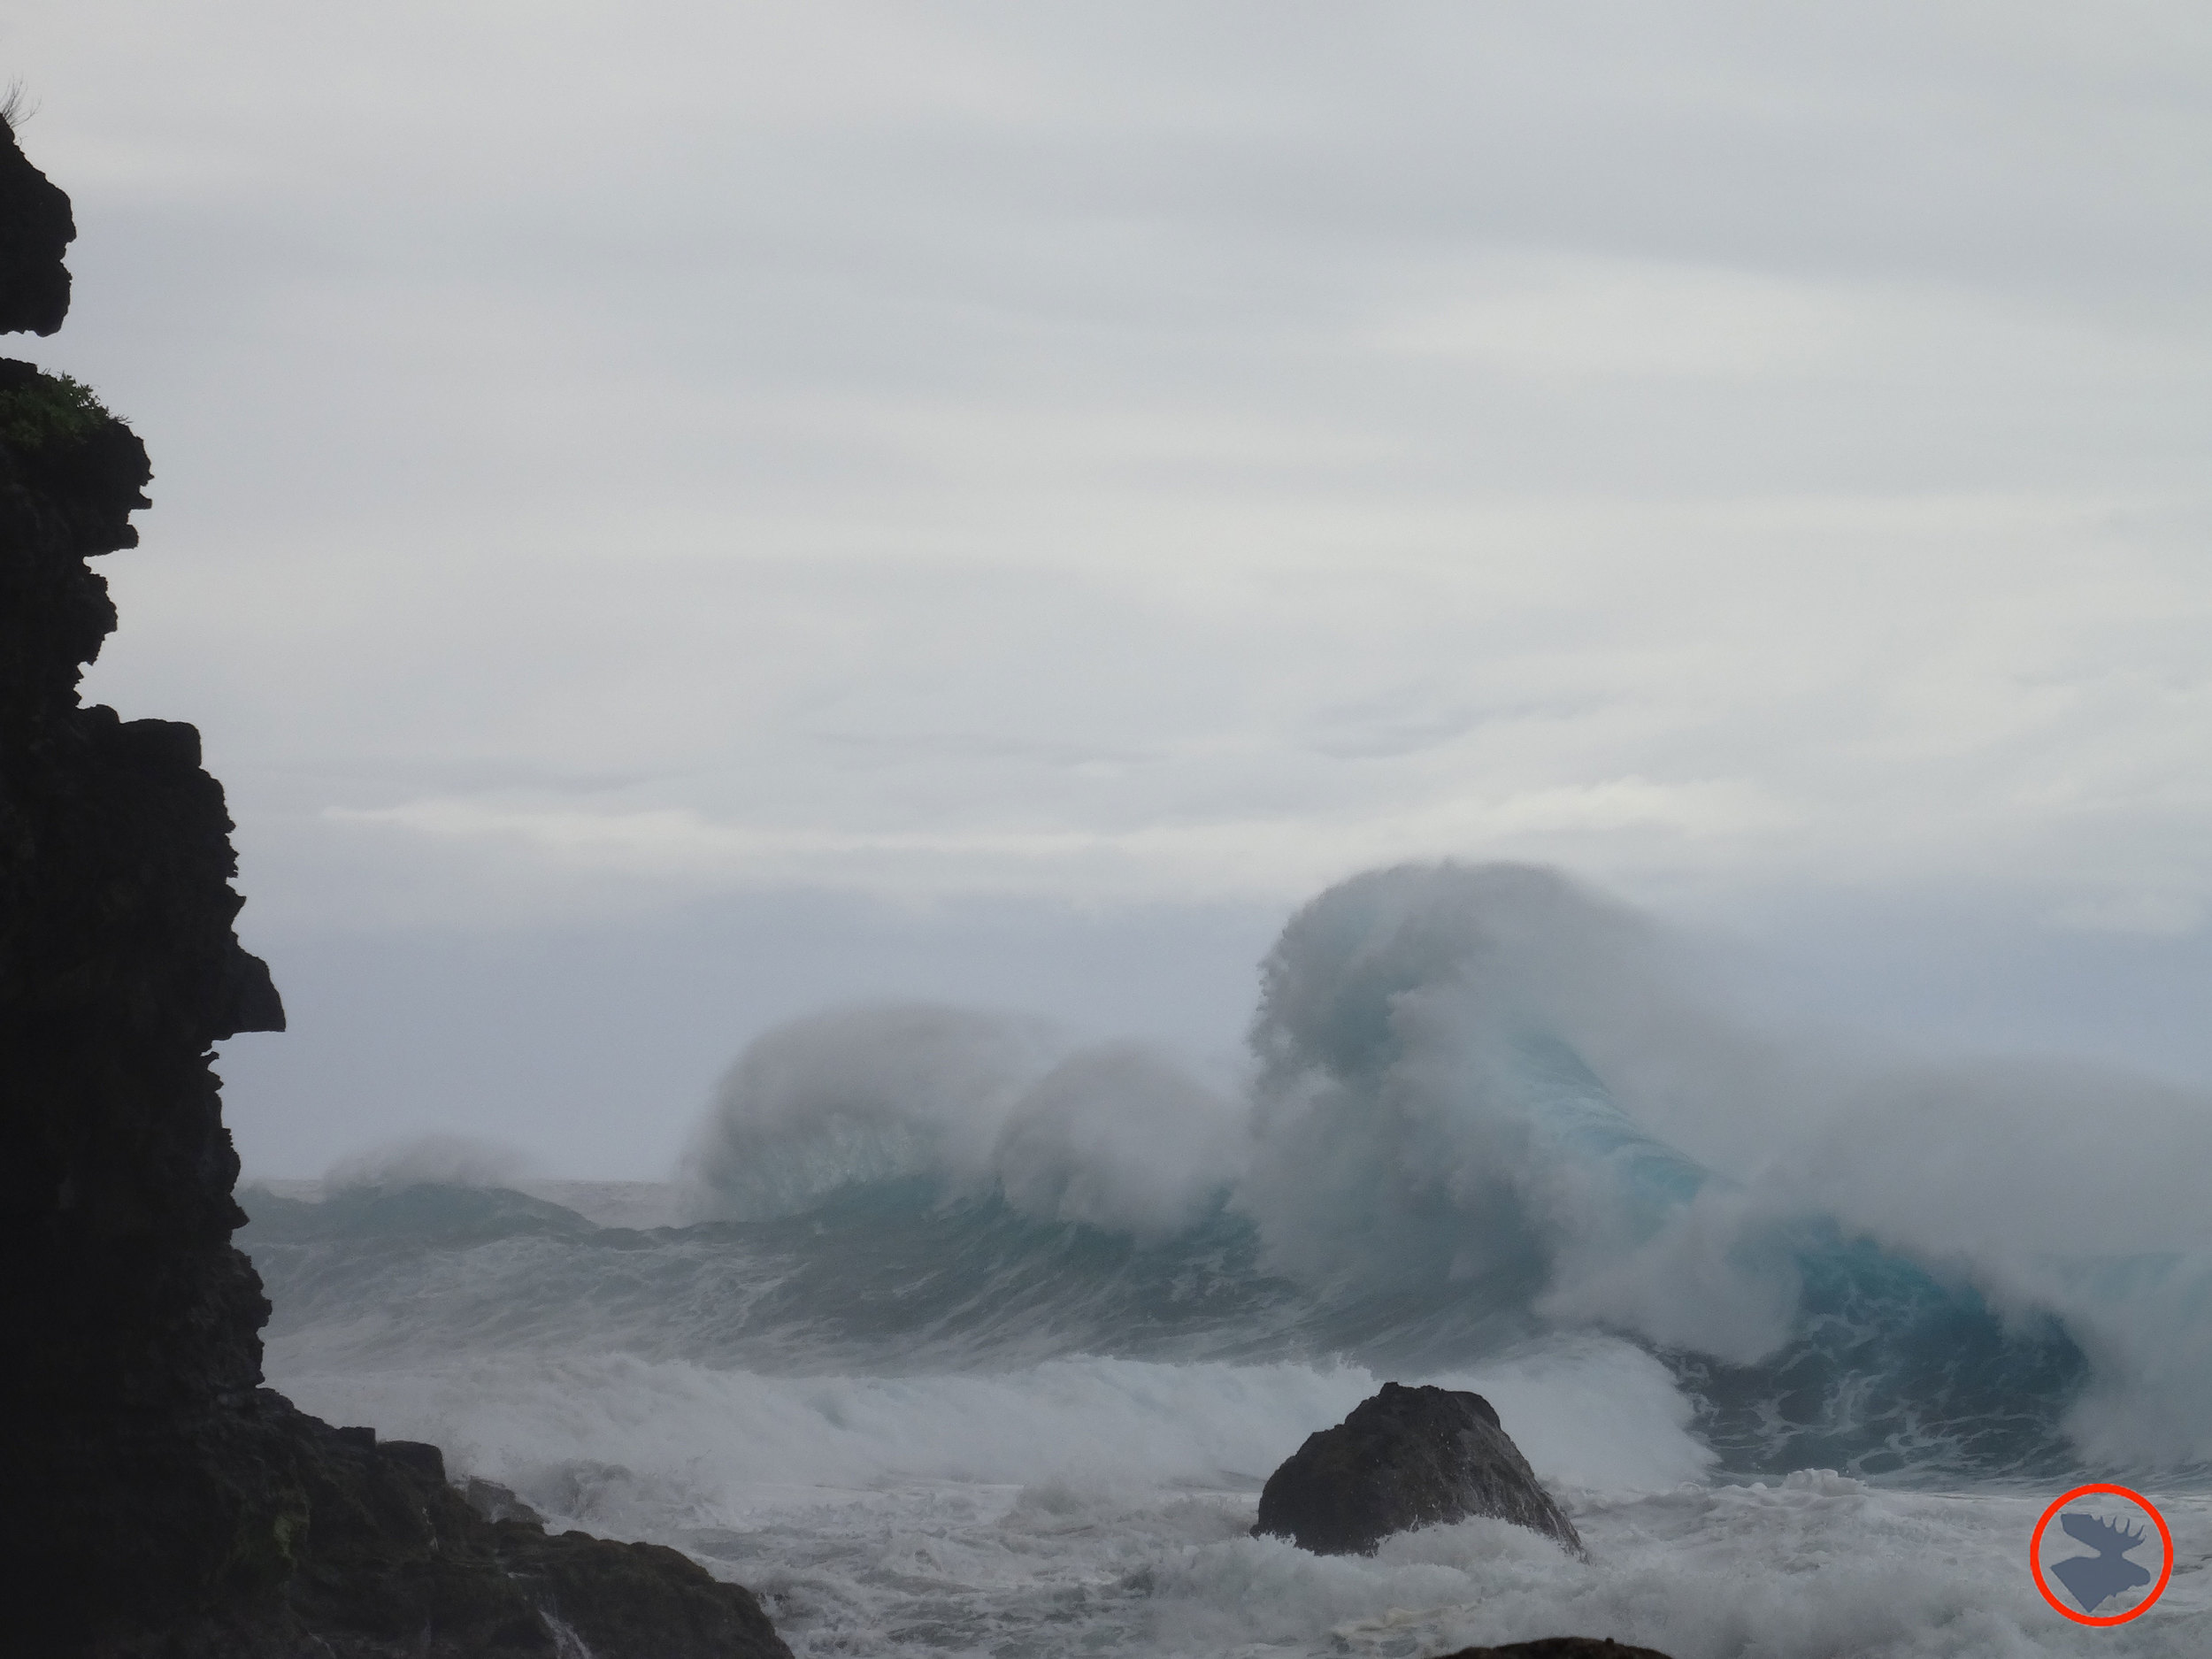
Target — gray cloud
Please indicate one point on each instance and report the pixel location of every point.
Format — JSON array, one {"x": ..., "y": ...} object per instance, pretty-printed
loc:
[{"x": 609, "y": 462}]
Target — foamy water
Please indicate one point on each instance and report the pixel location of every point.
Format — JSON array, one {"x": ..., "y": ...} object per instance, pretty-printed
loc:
[{"x": 1104, "y": 1506}]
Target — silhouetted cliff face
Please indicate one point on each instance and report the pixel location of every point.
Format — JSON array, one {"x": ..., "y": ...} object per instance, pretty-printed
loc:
[
  {"x": 157, "y": 1499},
  {"x": 34, "y": 282},
  {"x": 127, "y": 1311}
]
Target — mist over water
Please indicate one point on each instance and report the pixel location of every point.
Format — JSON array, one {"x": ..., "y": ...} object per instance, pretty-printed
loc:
[{"x": 944, "y": 1280}]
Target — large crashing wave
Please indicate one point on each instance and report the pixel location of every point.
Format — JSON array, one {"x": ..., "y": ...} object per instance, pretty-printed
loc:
[
  {"x": 1484, "y": 1108},
  {"x": 1110, "y": 1136},
  {"x": 1484, "y": 1104}
]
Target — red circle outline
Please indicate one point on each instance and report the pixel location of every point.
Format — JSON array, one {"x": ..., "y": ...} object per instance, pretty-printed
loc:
[{"x": 2166, "y": 1538}]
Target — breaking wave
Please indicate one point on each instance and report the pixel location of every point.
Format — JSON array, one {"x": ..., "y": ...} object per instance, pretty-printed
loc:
[{"x": 1486, "y": 1111}]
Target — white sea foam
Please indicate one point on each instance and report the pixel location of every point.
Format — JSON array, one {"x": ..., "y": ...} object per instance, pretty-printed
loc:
[
  {"x": 1815, "y": 1568},
  {"x": 1589, "y": 1412},
  {"x": 1104, "y": 1504}
]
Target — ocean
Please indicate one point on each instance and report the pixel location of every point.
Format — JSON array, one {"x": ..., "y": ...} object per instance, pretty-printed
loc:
[{"x": 955, "y": 1335}]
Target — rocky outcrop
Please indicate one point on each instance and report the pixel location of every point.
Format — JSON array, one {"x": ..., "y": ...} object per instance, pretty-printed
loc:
[
  {"x": 159, "y": 1500},
  {"x": 372, "y": 1554},
  {"x": 37, "y": 230},
  {"x": 1408, "y": 1458},
  {"x": 1559, "y": 1647}
]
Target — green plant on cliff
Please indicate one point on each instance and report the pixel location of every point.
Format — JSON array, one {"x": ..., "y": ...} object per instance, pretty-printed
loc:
[{"x": 38, "y": 412}]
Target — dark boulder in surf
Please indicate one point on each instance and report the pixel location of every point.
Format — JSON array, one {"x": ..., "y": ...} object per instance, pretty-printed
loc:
[
  {"x": 1559, "y": 1647},
  {"x": 1408, "y": 1457}
]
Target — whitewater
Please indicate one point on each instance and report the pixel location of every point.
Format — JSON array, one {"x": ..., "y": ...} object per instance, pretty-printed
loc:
[{"x": 952, "y": 1335}]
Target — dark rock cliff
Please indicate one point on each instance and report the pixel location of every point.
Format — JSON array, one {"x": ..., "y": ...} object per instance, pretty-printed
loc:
[
  {"x": 158, "y": 1501},
  {"x": 34, "y": 282}
]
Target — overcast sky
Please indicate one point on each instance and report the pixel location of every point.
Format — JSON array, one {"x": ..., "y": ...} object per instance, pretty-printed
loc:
[{"x": 670, "y": 514}]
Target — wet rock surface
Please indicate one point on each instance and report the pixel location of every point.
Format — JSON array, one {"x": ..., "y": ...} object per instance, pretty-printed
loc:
[
  {"x": 1406, "y": 1458},
  {"x": 159, "y": 1500}
]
